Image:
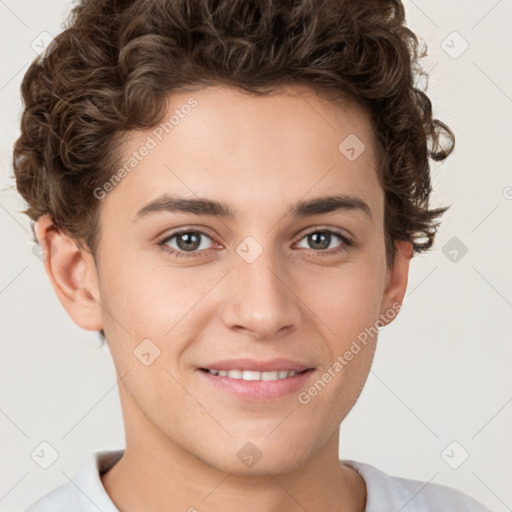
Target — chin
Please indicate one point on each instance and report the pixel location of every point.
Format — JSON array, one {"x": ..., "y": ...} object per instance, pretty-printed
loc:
[{"x": 258, "y": 457}]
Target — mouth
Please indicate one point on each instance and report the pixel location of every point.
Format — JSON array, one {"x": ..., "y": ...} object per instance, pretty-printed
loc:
[
  {"x": 253, "y": 385},
  {"x": 252, "y": 375}
]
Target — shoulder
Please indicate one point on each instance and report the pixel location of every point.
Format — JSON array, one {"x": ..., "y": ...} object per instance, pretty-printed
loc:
[
  {"x": 419, "y": 496},
  {"x": 60, "y": 499},
  {"x": 85, "y": 493}
]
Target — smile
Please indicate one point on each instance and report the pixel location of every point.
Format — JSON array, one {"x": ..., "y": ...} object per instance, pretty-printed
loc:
[
  {"x": 254, "y": 385},
  {"x": 253, "y": 375}
]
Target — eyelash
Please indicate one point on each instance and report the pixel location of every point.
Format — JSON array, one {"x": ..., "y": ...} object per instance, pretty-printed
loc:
[{"x": 194, "y": 254}]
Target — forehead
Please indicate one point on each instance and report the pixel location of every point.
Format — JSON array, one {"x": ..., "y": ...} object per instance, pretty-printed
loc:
[{"x": 249, "y": 151}]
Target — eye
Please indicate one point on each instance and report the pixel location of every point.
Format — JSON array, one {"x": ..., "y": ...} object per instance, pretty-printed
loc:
[
  {"x": 187, "y": 241},
  {"x": 320, "y": 240}
]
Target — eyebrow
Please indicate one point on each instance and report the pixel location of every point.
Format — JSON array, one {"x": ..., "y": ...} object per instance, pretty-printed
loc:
[{"x": 204, "y": 206}]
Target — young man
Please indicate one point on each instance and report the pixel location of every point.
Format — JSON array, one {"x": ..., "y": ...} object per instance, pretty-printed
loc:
[{"x": 231, "y": 193}]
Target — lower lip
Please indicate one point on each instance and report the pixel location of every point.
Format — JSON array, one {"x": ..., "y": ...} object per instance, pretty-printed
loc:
[{"x": 259, "y": 390}]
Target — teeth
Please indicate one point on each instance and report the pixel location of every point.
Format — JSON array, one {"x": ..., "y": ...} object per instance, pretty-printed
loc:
[
  {"x": 234, "y": 374},
  {"x": 249, "y": 375},
  {"x": 252, "y": 375}
]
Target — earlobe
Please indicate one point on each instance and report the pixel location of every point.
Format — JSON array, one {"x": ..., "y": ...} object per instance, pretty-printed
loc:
[
  {"x": 72, "y": 273},
  {"x": 396, "y": 282}
]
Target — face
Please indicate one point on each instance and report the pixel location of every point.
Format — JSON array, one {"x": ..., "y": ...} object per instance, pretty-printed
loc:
[{"x": 181, "y": 289}]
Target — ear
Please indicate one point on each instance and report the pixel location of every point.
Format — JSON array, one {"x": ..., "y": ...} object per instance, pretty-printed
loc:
[
  {"x": 73, "y": 274},
  {"x": 396, "y": 282}
]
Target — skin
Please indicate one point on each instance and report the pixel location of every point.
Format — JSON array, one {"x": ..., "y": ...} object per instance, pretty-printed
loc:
[{"x": 260, "y": 155}]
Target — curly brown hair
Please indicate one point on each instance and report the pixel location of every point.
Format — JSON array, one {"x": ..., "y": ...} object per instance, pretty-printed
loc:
[{"x": 115, "y": 64}]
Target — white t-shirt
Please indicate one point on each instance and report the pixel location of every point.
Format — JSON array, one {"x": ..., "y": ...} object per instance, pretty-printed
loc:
[{"x": 385, "y": 493}]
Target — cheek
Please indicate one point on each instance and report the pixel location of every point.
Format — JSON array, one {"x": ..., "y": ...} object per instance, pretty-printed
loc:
[
  {"x": 152, "y": 309},
  {"x": 146, "y": 295},
  {"x": 345, "y": 301}
]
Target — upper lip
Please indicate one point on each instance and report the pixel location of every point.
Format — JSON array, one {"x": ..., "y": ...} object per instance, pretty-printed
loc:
[{"x": 269, "y": 365}]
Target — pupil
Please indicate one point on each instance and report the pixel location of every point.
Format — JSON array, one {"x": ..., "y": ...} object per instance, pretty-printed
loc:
[
  {"x": 325, "y": 236},
  {"x": 191, "y": 241}
]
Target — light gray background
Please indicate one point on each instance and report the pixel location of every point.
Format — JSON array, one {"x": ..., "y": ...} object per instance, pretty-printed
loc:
[{"x": 442, "y": 368}]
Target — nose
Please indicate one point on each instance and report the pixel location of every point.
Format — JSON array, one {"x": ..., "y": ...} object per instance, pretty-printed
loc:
[{"x": 260, "y": 298}]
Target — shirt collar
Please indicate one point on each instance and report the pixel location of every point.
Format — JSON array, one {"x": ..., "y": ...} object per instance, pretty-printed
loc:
[{"x": 92, "y": 494}]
